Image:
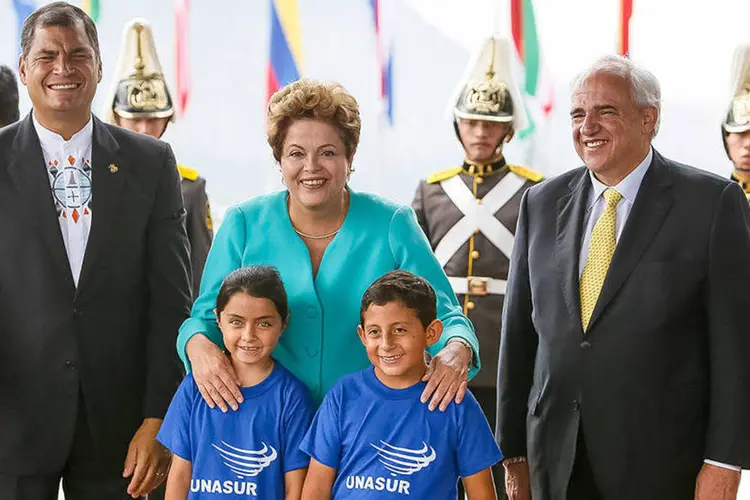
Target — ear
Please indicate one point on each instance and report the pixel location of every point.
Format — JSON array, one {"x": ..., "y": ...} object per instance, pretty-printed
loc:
[
  {"x": 361, "y": 333},
  {"x": 649, "y": 117},
  {"x": 22, "y": 69},
  {"x": 434, "y": 330}
]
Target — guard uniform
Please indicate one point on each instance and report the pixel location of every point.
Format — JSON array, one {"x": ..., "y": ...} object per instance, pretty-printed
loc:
[
  {"x": 737, "y": 120},
  {"x": 140, "y": 91},
  {"x": 469, "y": 213}
]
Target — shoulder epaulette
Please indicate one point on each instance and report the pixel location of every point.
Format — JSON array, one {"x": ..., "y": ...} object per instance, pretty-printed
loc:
[
  {"x": 526, "y": 173},
  {"x": 187, "y": 173},
  {"x": 444, "y": 174}
]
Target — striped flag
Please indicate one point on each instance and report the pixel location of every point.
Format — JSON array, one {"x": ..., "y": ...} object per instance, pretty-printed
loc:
[
  {"x": 384, "y": 53},
  {"x": 182, "y": 58},
  {"x": 285, "y": 61},
  {"x": 92, "y": 8},
  {"x": 536, "y": 86},
  {"x": 626, "y": 12},
  {"x": 24, "y": 9}
]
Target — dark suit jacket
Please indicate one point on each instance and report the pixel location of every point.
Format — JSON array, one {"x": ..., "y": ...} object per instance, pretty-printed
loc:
[
  {"x": 660, "y": 380},
  {"x": 113, "y": 337}
]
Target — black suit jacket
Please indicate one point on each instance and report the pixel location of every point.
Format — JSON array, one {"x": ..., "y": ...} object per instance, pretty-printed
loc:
[
  {"x": 112, "y": 337},
  {"x": 660, "y": 380}
]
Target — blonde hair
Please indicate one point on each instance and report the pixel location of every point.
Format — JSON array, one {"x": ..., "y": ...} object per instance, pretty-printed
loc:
[{"x": 328, "y": 102}]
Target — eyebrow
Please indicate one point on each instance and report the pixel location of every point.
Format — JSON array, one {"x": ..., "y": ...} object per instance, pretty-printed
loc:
[
  {"x": 235, "y": 316},
  {"x": 599, "y": 107},
  {"x": 294, "y": 145}
]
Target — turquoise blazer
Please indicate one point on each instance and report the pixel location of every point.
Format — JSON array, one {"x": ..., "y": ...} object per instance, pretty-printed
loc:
[{"x": 320, "y": 343}]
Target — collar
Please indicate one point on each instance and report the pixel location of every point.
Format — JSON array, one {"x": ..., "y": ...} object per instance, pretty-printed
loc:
[
  {"x": 483, "y": 170},
  {"x": 744, "y": 185},
  {"x": 628, "y": 187},
  {"x": 51, "y": 140}
]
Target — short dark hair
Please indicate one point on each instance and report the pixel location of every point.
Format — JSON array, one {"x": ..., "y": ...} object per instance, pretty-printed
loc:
[
  {"x": 58, "y": 14},
  {"x": 263, "y": 282},
  {"x": 401, "y": 286},
  {"x": 8, "y": 96}
]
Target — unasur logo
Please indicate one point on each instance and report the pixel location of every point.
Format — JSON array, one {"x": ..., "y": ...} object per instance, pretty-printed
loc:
[
  {"x": 242, "y": 463},
  {"x": 399, "y": 462},
  {"x": 246, "y": 463},
  {"x": 405, "y": 461}
]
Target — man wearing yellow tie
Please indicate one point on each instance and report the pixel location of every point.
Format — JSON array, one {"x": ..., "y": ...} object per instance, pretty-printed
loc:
[{"x": 623, "y": 369}]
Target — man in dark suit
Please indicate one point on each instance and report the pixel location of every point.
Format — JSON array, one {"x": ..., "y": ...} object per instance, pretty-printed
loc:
[
  {"x": 94, "y": 281},
  {"x": 623, "y": 361},
  {"x": 8, "y": 97}
]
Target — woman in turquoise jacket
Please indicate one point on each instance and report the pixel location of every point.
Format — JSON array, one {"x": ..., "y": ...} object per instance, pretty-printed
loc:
[{"x": 329, "y": 243}]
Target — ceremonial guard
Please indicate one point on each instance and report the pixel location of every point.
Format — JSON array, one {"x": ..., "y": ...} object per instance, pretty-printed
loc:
[
  {"x": 736, "y": 127},
  {"x": 469, "y": 212},
  {"x": 140, "y": 101}
]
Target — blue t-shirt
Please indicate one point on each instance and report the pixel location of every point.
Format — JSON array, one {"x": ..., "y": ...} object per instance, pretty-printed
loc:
[
  {"x": 385, "y": 443},
  {"x": 242, "y": 453}
]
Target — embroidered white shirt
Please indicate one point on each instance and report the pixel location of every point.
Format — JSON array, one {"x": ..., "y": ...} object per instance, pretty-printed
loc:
[{"x": 68, "y": 165}]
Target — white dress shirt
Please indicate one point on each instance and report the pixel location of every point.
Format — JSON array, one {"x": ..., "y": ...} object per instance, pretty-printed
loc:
[
  {"x": 628, "y": 188},
  {"x": 68, "y": 165}
]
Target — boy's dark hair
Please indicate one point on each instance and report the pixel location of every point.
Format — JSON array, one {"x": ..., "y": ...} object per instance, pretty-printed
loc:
[
  {"x": 405, "y": 287},
  {"x": 58, "y": 14},
  {"x": 263, "y": 282},
  {"x": 8, "y": 97}
]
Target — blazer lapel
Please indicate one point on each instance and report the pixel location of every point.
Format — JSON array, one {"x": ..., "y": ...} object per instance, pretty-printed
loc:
[
  {"x": 31, "y": 180},
  {"x": 107, "y": 179},
  {"x": 652, "y": 204},
  {"x": 570, "y": 214}
]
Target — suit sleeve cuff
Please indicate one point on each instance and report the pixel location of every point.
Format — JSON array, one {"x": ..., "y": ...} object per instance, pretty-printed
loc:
[{"x": 723, "y": 465}]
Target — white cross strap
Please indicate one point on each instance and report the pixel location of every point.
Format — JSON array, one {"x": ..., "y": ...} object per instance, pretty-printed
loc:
[{"x": 478, "y": 216}]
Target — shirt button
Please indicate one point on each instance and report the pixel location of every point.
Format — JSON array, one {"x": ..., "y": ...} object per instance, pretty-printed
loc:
[
  {"x": 77, "y": 313},
  {"x": 70, "y": 365},
  {"x": 585, "y": 344},
  {"x": 576, "y": 405},
  {"x": 475, "y": 254},
  {"x": 470, "y": 305},
  {"x": 312, "y": 352},
  {"x": 480, "y": 180},
  {"x": 479, "y": 201}
]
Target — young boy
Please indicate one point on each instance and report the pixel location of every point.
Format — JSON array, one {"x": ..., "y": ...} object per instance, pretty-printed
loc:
[{"x": 372, "y": 437}]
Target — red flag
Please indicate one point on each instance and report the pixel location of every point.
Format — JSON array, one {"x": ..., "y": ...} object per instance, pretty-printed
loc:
[
  {"x": 626, "y": 11},
  {"x": 182, "y": 18}
]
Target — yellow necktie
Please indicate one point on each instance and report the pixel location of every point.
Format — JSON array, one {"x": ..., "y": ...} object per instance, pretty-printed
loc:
[{"x": 601, "y": 248}]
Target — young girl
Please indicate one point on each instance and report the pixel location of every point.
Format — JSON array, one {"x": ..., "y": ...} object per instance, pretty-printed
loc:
[{"x": 254, "y": 451}]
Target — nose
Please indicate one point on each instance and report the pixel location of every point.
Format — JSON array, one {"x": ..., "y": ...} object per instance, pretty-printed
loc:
[
  {"x": 388, "y": 342},
  {"x": 589, "y": 125},
  {"x": 248, "y": 334},
  {"x": 62, "y": 66}
]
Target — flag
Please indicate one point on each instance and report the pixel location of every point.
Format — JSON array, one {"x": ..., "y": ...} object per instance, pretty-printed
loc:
[
  {"x": 182, "y": 59},
  {"x": 626, "y": 12},
  {"x": 536, "y": 86},
  {"x": 24, "y": 9},
  {"x": 384, "y": 54},
  {"x": 285, "y": 60},
  {"x": 92, "y": 8}
]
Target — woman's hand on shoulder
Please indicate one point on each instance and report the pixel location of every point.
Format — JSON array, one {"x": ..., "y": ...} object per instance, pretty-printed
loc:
[
  {"x": 447, "y": 376},
  {"x": 213, "y": 374}
]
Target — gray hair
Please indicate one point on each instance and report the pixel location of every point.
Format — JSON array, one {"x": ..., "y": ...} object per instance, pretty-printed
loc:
[{"x": 645, "y": 88}]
